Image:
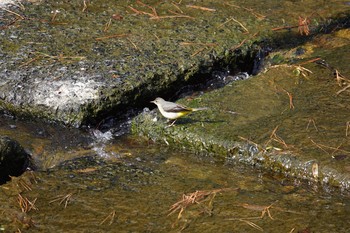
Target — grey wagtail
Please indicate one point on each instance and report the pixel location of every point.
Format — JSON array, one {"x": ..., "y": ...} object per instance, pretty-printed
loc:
[{"x": 173, "y": 111}]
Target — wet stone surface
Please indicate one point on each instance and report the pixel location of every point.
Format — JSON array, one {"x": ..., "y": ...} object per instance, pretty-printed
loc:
[
  {"x": 291, "y": 118},
  {"x": 77, "y": 64},
  {"x": 285, "y": 120},
  {"x": 14, "y": 160},
  {"x": 64, "y": 63}
]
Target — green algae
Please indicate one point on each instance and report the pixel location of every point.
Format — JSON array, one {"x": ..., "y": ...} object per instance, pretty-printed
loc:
[
  {"x": 286, "y": 119},
  {"x": 152, "y": 55}
]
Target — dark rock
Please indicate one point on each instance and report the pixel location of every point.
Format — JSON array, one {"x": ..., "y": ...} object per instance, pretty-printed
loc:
[{"x": 13, "y": 159}]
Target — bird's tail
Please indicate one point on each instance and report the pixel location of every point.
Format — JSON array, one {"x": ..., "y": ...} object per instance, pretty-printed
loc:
[{"x": 199, "y": 109}]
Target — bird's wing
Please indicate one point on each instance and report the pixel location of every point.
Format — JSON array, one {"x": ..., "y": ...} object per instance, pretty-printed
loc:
[{"x": 173, "y": 107}]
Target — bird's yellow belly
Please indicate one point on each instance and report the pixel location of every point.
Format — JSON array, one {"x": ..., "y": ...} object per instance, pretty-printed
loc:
[{"x": 173, "y": 115}]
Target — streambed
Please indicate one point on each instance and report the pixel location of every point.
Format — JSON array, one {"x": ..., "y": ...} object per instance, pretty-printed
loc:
[{"x": 129, "y": 185}]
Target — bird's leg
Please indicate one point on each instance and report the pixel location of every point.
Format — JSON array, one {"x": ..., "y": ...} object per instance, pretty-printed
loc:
[{"x": 172, "y": 123}]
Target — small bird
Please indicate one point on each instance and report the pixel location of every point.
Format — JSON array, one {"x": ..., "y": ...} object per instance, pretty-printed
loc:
[{"x": 173, "y": 111}]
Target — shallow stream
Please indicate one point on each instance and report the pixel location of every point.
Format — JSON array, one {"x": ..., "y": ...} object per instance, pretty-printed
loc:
[
  {"x": 130, "y": 185},
  {"x": 89, "y": 181}
]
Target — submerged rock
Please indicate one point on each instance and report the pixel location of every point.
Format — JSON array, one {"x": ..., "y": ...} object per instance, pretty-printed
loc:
[{"x": 14, "y": 160}]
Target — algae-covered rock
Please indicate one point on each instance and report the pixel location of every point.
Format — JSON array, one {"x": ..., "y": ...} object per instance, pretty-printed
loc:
[
  {"x": 66, "y": 63},
  {"x": 282, "y": 120},
  {"x": 78, "y": 62},
  {"x": 13, "y": 158}
]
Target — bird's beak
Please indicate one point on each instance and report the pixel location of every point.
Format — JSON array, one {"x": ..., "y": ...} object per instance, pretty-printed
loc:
[{"x": 152, "y": 101}]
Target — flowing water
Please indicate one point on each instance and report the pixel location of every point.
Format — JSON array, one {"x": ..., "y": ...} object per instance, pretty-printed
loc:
[
  {"x": 91, "y": 181},
  {"x": 130, "y": 185}
]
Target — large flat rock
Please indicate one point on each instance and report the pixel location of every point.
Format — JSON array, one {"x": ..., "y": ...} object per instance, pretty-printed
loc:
[{"x": 73, "y": 63}]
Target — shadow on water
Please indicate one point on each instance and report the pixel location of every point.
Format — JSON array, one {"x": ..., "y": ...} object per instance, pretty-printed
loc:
[{"x": 187, "y": 120}]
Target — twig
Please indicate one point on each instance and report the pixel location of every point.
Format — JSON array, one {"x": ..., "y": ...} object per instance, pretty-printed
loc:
[
  {"x": 133, "y": 44},
  {"x": 66, "y": 199},
  {"x": 240, "y": 24},
  {"x": 239, "y": 45},
  {"x": 135, "y": 10},
  {"x": 24, "y": 184},
  {"x": 25, "y": 204},
  {"x": 233, "y": 5},
  {"x": 197, "y": 52},
  {"x": 320, "y": 146},
  {"x": 157, "y": 37},
  {"x": 230, "y": 19},
  {"x": 300, "y": 69},
  {"x": 291, "y": 105},
  {"x": 54, "y": 15},
  {"x": 107, "y": 26},
  {"x": 198, "y": 43},
  {"x": 150, "y": 7},
  {"x": 284, "y": 27},
  {"x": 177, "y": 7},
  {"x": 264, "y": 209},
  {"x": 339, "y": 77},
  {"x": 170, "y": 16},
  {"x": 309, "y": 61},
  {"x": 242, "y": 42},
  {"x": 343, "y": 89},
  {"x": 193, "y": 198},
  {"x": 233, "y": 19},
  {"x": 347, "y": 128},
  {"x": 249, "y": 141},
  {"x": 276, "y": 138},
  {"x": 201, "y": 8},
  {"x": 252, "y": 224},
  {"x": 111, "y": 216},
  {"x": 303, "y": 27},
  {"x": 12, "y": 12},
  {"x": 257, "y": 15},
  {"x": 84, "y": 6},
  {"x": 314, "y": 124},
  {"x": 18, "y": 4},
  {"x": 30, "y": 61},
  {"x": 60, "y": 57}
]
